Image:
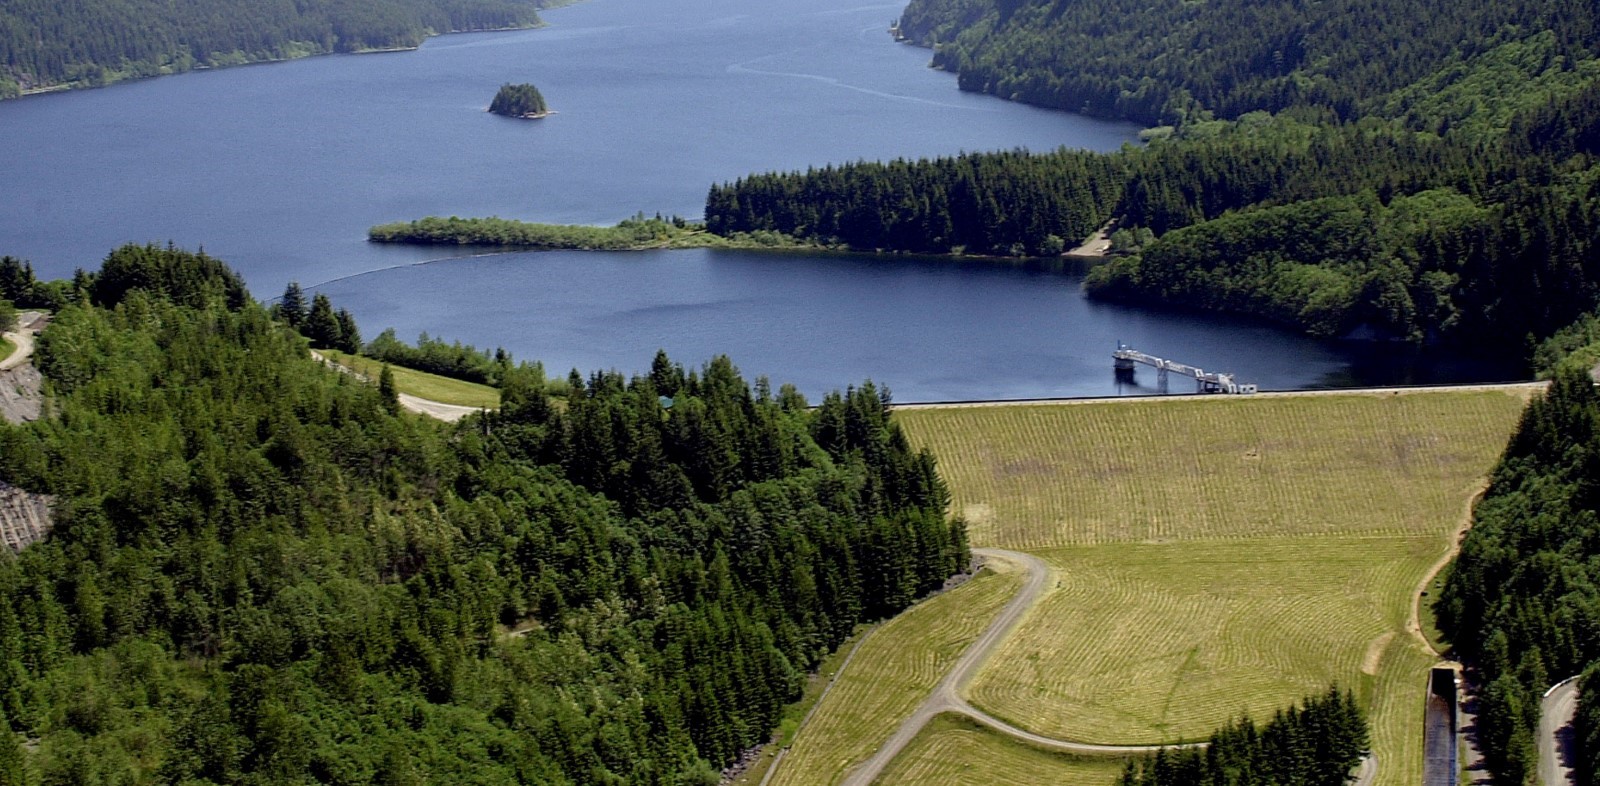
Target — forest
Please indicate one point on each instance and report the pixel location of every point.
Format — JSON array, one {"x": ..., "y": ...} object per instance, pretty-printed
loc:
[
  {"x": 1459, "y": 208},
  {"x": 1523, "y": 600},
  {"x": 1163, "y": 62},
  {"x": 47, "y": 44},
  {"x": 524, "y": 101},
  {"x": 262, "y": 572},
  {"x": 1314, "y": 744}
]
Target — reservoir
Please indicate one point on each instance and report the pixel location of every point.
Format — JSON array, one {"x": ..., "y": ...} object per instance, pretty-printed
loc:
[{"x": 279, "y": 169}]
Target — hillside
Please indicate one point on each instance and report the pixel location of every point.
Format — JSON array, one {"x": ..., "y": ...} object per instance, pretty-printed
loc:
[
  {"x": 45, "y": 44},
  {"x": 1164, "y": 61},
  {"x": 261, "y": 571}
]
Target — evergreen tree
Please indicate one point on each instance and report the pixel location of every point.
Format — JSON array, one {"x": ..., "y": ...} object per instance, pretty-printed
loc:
[
  {"x": 387, "y": 390},
  {"x": 292, "y": 306},
  {"x": 349, "y": 334},
  {"x": 322, "y": 325}
]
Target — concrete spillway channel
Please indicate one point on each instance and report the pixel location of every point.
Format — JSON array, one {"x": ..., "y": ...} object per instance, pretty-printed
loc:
[{"x": 1441, "y": 728}]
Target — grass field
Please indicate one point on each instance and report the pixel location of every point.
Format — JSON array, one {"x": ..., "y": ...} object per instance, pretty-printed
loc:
[
  {"x": 421, "y": 384},
  {"x": 1217, "y": 556},
  {"x": 1040, "y": 477},
  {"x": 6, "y": 348},
  {"x": 895, "y": 669},
  {"x": 954, "y": 750}
]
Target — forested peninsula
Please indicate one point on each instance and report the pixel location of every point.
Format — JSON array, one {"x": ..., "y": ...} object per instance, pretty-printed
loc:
[
  {"x": 52, "y": 45},
  {"x": 262, "y": 572}
]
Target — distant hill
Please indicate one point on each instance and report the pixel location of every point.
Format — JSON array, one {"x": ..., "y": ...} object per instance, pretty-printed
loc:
[
  {"x": 46, "y": 44},
  {"x": 1156, "y": 61}
]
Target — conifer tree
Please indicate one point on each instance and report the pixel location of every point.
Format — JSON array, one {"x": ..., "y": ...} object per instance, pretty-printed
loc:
[
  {"x": 321, "y": 324},
  {"x": 292, "y": 307},
  {"x": 386, "y": 389}
]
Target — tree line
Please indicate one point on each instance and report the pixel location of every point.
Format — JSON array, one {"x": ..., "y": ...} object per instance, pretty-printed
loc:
[
  {"x": 1317, "y": 743},
  {"x": 260, "y": 572},
  {"x": 1523, "y": 599},
  {"x": 1011, "y": 203},
  {"x": 1170, "y": 61},
  {"x": 46, "y": 44}
]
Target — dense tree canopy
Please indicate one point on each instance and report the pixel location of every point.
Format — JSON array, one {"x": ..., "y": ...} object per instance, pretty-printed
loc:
[
  {"x": 45, "y": 43},
  {"x": 1523, "y": 601},
  {"x": 1166, "y": 61},
  {"x": 262, "y": 573},
  {"x": 518, "y": 101},
  {"x": 1316, "y": 744}
]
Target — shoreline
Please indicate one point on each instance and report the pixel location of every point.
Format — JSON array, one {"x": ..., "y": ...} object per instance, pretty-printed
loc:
[{"x": 62, "y": 87}]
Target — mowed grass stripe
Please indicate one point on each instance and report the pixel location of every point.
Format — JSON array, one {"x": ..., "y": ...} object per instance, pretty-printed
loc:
[
  {"x": 1218, "y": 556},
  {"x": 893, "y": 672},
  {"x": 1162, "y": 643},
  {"x": 953, "y": 750},
  {"x": 1033, "y": 477}
]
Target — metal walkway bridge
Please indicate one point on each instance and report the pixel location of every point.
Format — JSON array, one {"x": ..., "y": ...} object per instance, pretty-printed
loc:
[{"x": 1205, "y": 381}]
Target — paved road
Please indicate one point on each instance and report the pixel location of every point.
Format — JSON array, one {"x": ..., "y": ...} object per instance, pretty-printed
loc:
[
  {"x": 1526, "y": 388},
  {"x": 947, "y": 696},
  {"x": 1555, "y": 733},
  {"x": 436, "y": 409}
]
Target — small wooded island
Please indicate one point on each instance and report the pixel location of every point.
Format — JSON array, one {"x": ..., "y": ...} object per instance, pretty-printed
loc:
[{"x": 522, "y": 101}]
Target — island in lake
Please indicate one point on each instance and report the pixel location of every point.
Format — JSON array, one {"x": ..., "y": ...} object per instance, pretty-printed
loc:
[{"x": 523, "y": 101}]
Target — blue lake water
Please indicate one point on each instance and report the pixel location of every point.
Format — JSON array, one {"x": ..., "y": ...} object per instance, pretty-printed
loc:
[{"x": 279, "y": 169}]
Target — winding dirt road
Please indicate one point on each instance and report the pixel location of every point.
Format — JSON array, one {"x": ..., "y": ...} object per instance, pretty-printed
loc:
[
  {"x": 1556, "y": 711},
  {"x": 947, "y": 696},
  {"x": 22, "y": 337}
]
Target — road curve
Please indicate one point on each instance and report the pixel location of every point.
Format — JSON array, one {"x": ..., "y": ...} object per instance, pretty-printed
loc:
[
  {"x": 1556, "y": 711},
  {"x": 28, "y": 323},
  {"x": 947, "y": 696}
]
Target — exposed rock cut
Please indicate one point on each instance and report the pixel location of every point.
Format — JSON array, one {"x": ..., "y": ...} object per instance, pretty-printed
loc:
[{"x": 24, "y": 517}]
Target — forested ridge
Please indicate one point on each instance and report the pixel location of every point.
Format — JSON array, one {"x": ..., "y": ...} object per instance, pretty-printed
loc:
[
  {"x": 262, "y": 573},
  {"x": 44, "y": 43},
  {"x": 1448, "y": 195},
  {"x": 1523, "y": 600},
  {"x": 1166, "y": 61}
]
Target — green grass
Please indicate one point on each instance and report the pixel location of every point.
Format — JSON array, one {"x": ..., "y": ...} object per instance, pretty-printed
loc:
[
  {"x": 1045, "y": 476},
  {"x": 1217, "y": 555},
  {"x": 421, "y": 384},
  {"x": 952, "y": 749},
  {"x": 795, "y": 712},
  {"x": 6, "y": 348},
  {"x": 891, "y": 674},
  {"x": 1153, "y": 643}
]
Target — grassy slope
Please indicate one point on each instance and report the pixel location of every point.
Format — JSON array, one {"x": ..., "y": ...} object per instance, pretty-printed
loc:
[
  {"x": 1217, "y": 555},
  {"x": 892, "y": 673},
  {"x": 6, "y": 348},
  {"x": 954, "y": 750},
  {"x": 422, "y": 384}
]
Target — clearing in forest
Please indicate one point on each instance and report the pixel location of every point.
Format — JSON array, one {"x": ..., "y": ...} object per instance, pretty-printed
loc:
[
  {"x": 433, "y": 387},
  {"x": 1214, "y": 556}
]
